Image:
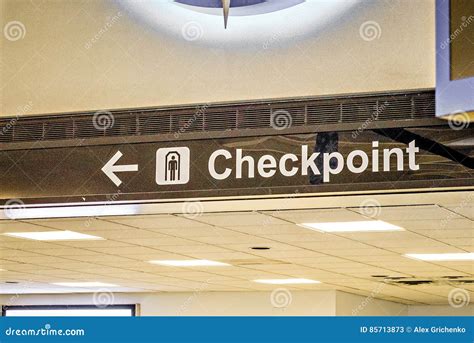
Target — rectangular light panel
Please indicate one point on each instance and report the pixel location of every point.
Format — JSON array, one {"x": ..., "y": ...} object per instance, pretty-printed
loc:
[
  {"x": 285, "y": 281},
  {"x": 356, "y": 226},
  {"x": 52, "y": 236},
  {"x": 468, "y": 256},
  {"x": 189, "y": 263}
]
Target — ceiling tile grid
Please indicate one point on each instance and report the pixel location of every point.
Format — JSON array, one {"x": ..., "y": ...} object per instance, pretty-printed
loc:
[{"x": 349, "y": 261}]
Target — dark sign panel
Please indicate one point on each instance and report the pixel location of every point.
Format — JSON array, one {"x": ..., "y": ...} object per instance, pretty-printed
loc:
[
  {"x": 454, "y": 56},
  {"x": 357, "y": 161}
]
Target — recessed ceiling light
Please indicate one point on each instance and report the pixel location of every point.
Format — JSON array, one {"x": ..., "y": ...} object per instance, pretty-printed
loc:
[
  {"x": 85, "y": 284},
  {"x": 357, "y": 226},
  {"x": 285, "y": 281},
  {"x": 52, "y": 235},
  {"x": 72, "y": 211},
  {"x": 189, "y": 263},
  {"x": 467, "y": 256}
]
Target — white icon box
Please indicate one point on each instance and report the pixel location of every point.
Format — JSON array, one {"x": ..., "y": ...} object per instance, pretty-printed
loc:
[{"x": 172, "y": 166}]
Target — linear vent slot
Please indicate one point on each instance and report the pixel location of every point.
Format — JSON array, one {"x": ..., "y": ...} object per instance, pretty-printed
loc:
[
  {"x": 395, "y": 108},
  {"x": 324, "y": 112},
  {"x": 294, "y": 116},
  {"x": 187, "y": 123},
  {"x": 84, "y": 128},
  {"x": 282, "y": 114},
  {"x": 352, "y": 112},
  {"x": 221, "y": 121},
  {"x": 122, "y": 126},
  {"x": 254, "y": 118},
  {"x": 58, "y": 130},
  {"x": 424, "y": 106},
  {"x": 6, "y": 131},
  {"x": 155, "y": 123},
  {"x": 24, "y": 132}
]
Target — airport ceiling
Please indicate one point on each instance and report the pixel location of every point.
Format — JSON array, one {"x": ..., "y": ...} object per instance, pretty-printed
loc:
[{"x": 359, "y": 262}]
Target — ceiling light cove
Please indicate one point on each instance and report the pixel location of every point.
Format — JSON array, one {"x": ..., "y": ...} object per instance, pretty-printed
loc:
[
  {"x": 53, "y": 236},
  {"x": 190, "y": 263},
  {"x": 286, "y": 281},
  {"x": 260, "y": 23},
  {"x": 91, "y": 284},
  {"x": 468, "y": 256},
  {"x": 356, "y": 226}
]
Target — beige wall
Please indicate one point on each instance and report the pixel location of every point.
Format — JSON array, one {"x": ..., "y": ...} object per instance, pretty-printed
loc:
[
  {"x": 53, "y": 69},
  {"x": 320, "y": 303},
  {"x": 303, "y": 303}
]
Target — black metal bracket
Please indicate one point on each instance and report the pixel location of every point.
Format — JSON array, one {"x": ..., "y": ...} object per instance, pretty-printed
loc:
[{"x": 404, "y": 136}]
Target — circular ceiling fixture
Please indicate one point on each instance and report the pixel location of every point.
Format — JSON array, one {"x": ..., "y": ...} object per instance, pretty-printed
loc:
[{"x": 263, "y": 23}]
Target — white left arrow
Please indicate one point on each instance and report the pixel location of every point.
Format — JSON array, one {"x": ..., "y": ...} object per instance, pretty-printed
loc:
[{"x": 110, "y": 168}]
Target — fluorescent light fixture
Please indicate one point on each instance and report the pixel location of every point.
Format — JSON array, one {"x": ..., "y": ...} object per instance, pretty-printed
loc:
[
  {"x": 285, "y": 281},
  {"x": 169, "y": 17},
  {"x": 59, "y": 211},
  {"x": 189, "y": 263},
  {"x": 52, "y": 235},
  {"x": 357, "y": 226},
  {"x": 466, "y": 256},
  {"x": 85, "y": 284}
]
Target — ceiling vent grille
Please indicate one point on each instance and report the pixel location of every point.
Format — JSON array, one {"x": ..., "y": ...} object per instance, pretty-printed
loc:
[{"x": 294, "y": 113}]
